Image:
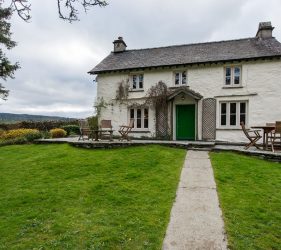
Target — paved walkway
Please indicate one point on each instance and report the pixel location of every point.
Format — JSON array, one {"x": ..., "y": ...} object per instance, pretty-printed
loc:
[{"x": 196, "y": 221}]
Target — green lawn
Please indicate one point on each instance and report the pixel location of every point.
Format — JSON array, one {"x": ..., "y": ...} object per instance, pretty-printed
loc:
[
  {"x": 60, "y": 197},
  {"x": 250, "y": 197}
]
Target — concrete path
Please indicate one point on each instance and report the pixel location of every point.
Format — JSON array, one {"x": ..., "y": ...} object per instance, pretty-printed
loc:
[{"x": 196, "y": 219}]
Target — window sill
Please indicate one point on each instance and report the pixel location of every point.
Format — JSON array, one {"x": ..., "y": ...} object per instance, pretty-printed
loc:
[
  {"x": 178, "y": 86},
  {"x": 140, "y": 131},
  {"x": 136, "y": 90},
  {"x": 232, "y": 87},
  {"x": 228, "y": 128}
]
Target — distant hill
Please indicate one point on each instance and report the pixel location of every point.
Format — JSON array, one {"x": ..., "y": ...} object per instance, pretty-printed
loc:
[{"x": 13, "y": 118}]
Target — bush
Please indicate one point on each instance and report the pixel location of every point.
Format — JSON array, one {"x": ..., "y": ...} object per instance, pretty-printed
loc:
[
  {"x": 93, "y": 122},
  {"x": 29, "y": 134},
  {"x": 19, "y": 140},
  {"x": 71, "y": 129},
  {"x": 46, "y": 134},
  {"x": 58, "y": 133},
  {"x": 40, "y": 125}
]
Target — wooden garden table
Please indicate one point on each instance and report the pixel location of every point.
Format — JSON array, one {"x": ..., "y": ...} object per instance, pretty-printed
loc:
[{"x": 266, "y": 130}]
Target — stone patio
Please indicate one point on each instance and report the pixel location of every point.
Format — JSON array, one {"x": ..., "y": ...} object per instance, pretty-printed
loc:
[{"x": 195, "y": 145}]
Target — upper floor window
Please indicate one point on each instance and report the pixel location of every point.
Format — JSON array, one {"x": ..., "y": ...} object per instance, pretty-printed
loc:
[
  {"x": 140, "y": 116},
  {"x": 180, "y": 78},
  {"x": 137, "y": 82},
  {"x": 233, "y": 76},
  {"x": 233, "y": 113}
]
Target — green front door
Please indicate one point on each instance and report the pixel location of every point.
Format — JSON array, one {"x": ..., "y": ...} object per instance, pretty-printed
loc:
[{"x": 185, "y": 122}]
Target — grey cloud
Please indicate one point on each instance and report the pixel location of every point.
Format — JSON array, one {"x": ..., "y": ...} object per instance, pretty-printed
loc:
[{"x": 55, "y": 55}]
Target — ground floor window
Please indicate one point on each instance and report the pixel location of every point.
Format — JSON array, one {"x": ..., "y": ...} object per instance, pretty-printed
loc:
[
  {"x": 233, "y": 113},
  {"x": 140, "y": 116}
]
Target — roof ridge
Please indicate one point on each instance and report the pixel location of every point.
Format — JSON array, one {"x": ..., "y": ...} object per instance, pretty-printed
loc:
[{"x": 191, "y": 44}]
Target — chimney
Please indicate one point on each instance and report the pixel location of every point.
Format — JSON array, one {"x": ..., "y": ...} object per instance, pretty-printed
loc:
[
  {"x": 119, "y": 45},
  {"x": 265, "y": 30}
]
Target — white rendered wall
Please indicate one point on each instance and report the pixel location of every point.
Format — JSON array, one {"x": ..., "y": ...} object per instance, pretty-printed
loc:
[{"x": 261, "y": 88}]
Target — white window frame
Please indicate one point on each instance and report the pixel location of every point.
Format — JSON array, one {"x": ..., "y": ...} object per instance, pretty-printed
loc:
[
  {"x": 180, "y": 72},
  {"x": 137, "y": 75},
  {"x": 142, "y": 128},
  {"x": 232, "y": 76},
  {"x": 238, "y": 113}
]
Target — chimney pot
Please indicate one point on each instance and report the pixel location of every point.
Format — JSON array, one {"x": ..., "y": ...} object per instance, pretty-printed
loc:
[
  {"x": 264, "y": 30},
  {"x": 119, "y": 45}
]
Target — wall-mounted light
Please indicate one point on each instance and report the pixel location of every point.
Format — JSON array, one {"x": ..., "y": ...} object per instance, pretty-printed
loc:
[{"x": 182, "y": 97}]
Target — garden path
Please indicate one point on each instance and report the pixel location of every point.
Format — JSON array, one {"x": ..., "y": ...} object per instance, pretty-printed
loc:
[{"x": 196, "y": 219}]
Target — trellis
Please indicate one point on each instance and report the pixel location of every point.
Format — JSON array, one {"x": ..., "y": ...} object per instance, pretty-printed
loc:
[
  {"x": 209, "y": 119},
  {"x": 162, "y": 128}
]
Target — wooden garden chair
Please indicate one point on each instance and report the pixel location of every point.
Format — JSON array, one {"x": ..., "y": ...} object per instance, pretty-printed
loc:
[
  {"x": 106, "y": 129},
  {"x": 85, "y": 129},
  {"x": 275, "y": 135},
  {"x": 125, "y": 130},
  {"x": 252, "y": 135}
]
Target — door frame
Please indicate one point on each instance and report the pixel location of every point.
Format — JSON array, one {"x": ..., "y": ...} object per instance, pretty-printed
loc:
[{"x": 195, "y": 104}]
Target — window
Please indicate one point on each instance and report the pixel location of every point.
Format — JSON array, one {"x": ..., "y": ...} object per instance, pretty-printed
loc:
[
  {"x": 233, "y": 76},
  {"x": 137, "y": 82},
  {"x": 180, "y": 78},
  {"x": 140, "y": 116},
  {"x": 233, "y": 113}
]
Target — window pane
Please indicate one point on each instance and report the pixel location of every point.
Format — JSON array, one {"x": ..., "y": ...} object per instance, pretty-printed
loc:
[
  {"x": 232, "y": 108},
  {"x": 140, "y": 81},
  {"x": 223, "y": 114},
  {"x": 232, "y": 113},
  {"x": 242, "y": 107},
  {"x": 236, "y": 79},
  {"x": 243, "y": 112},
  {"x": 145, "y": 118},
  {"x": 227, "y": 71},
  {"x": 134, "y": 81},
  {"x": 138, "y": 118},
  {"x": 236, "y": 75},
  {"x": 183, "y": 79},
  {"x": 132, "y": 115},
  {"x": 227, "y": 80},
  {"x": 177, "y": 78},
  {"x": 223, "y": 120},
  {"x": 223, "y": 108},
  {"x": 237, "y": 71},
  {"x": 228, "y": 76},
  {"x": 243, "y": 118}
]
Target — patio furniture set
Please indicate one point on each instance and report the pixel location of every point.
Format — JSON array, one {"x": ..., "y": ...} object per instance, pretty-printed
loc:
[
  {"x": 105, "y": 129},
  {"x": 271, "y": 135}
]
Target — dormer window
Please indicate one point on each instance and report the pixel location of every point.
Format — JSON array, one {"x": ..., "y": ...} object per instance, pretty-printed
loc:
[
  {"x": 180, "y": 78},
  {"x": 232, "y": 76},
  {"x": 137, "y": 82}
]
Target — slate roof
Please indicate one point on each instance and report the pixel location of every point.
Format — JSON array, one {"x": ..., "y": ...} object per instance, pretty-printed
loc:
[{"x": 223, "y": 51}]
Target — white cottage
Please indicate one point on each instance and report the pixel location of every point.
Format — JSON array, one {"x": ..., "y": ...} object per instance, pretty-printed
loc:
[{"x": 212, "y": 87}]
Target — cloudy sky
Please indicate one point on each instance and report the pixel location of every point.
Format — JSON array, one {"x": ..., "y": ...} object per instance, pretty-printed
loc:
[{"x": 55, "y": 55}]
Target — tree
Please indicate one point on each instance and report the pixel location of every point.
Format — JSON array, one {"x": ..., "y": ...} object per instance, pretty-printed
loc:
[
  {"x": 67, "y": 10},
  {"x": 7, "y": 69}
]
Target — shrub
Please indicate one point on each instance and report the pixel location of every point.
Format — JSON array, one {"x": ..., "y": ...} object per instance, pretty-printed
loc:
[
  {"x": 29, "y": 134},
  {"x": 46, "y": 134},
  {"x": 93, "y": 122},
  {"x": 71, "y": 129},
  {"x": 58, "y": 133},
  {"x": 19, "y": 140},
  {"x": 40, "y": 125}
]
